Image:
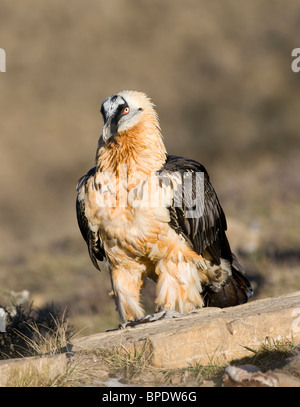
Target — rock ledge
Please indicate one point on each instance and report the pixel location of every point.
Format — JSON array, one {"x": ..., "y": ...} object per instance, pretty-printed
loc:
[
  {"x": 208, "y": 334},
  {"x": 204, "y": 336}
]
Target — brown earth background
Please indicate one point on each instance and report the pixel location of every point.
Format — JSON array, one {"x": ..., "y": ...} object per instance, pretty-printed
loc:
[{"x": 220, "y": 76}]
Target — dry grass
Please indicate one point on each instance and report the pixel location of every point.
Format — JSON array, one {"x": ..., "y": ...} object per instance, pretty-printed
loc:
[
  {"x": 96, "y": 368},
  {"x": 28, "y": 378},
  {"x": 270, "y": 351},
  {"x": 125, "y": 363},
  {"x": 134, "y": 367},
  {"x": 43, "y": 340},
  {"x": 34, "y": 332}
]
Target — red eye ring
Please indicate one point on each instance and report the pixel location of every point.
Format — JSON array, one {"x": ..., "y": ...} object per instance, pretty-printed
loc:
[{"x": 126, "y": 110}]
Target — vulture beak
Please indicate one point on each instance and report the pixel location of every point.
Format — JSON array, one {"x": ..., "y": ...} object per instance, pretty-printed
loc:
[
  {"x": 107, "y": 132},
  {"x": 110, "y": 110}
]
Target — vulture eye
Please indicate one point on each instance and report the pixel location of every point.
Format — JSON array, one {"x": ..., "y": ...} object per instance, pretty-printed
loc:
[{"x": 126, "y": 110}]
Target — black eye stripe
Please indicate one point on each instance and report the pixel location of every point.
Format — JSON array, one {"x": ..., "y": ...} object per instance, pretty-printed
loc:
[
  {"x": 117, "y": 116},
  {"x": 119, "y": 112}
]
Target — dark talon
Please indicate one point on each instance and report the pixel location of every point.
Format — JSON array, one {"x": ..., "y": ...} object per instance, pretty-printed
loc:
[{"x": 157, "y": 316}]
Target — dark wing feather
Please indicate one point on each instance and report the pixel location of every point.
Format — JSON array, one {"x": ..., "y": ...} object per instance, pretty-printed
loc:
[
  {"x": 196, "y": 212},
  {"x": 91, "y": 238},
  {"x": 206, "y": 230}
]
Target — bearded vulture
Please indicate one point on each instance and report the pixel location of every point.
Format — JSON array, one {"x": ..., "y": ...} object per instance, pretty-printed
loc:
[{"x": 153, "y": 215}]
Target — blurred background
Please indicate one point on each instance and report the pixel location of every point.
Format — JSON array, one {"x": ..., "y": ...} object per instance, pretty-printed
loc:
[{"x": 220, "y": 76}]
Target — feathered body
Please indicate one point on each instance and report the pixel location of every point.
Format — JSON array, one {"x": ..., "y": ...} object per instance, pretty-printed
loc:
[{"x": 132, "y": 212}]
